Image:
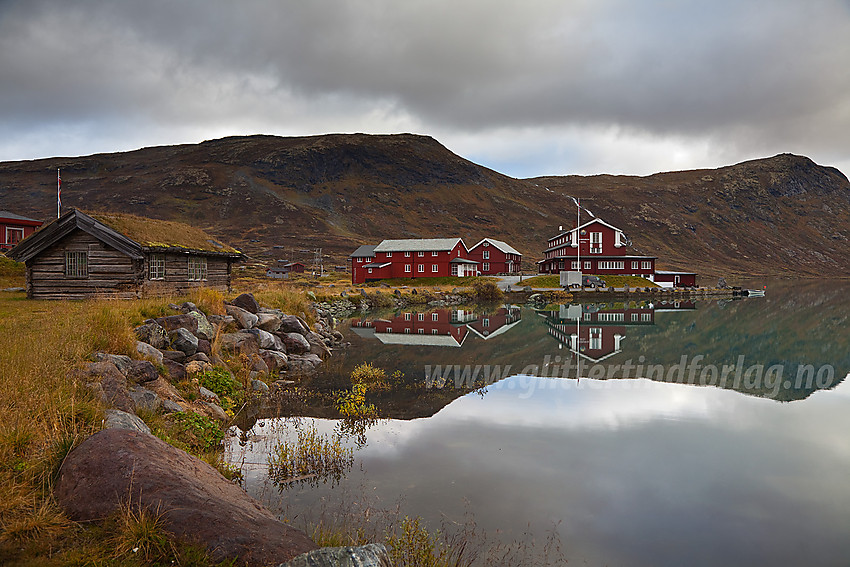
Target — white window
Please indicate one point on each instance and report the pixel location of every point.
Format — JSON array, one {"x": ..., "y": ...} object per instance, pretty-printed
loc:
[
  {"x": 646, "y": 265},
  {"x": 454, "y": 269},
  {"x": 369, "y": 270},
  {"x": 486, "y": 323},
  {"x": 420, "y": 331},
  {"x": 434, "y": 331},
  {"x": 486, "y": 267},
  {"x": 610, "y": 317},
  {"x": 635, "y": 265},
  {"x": 420, "y": 268},
  {"x": 596, "y": 243},
  {"x": 407, "y": 254},
  {"x": 197, "y": 269},
  {"x": 595, "y": 338},
  {"x": 611, "y": 265},
  {"x": 407, "y": 268},
  {"x": 646, "y": 317},
  {"x": 420, "y": 316},
  {"x": 76, "y": 264},
  {"x": 486, "y": 244},
  {"x": 435, "y": 268},
  {"x": 435, "y": 316},
  {"x": 156, "y": 267},
  {"x": 587, "y": 265},
  {"x": 406, "y": 330},
  {"x": 635, "y": 317},
  {"x": 434, "y": 253},
  {"x": 389, "y": 254},
  {"x": 421, "y": 254},
  {"x": 574, "y": 265},
  {"x": 14, "y": 235},
  {"x": 408, "y": 316},
  {"x": 486, "y": 254},
  {"x": 388, "y": 330}
]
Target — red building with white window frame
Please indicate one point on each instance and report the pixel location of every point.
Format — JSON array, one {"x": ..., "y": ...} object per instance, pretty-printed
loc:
[
  {"x": 595, "y": 247},
  {"x": 496, "y": 257},
  {"x": 14, "y": 228},
  {"x": 412, "y": 258}
]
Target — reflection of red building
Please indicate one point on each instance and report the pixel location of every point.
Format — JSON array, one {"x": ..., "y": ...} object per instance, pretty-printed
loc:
[
  {"x": 490, "y": 325},
  {"x": 14, "y": 228},
  {"x": 594, "y": 333},
  {"x": 495, "y": 257}
]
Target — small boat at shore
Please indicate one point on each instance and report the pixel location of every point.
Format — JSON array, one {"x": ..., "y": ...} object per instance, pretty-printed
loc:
[{"x": 752, "y": 293}]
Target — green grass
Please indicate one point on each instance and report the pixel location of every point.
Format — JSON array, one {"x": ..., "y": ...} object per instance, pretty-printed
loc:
[{"x": 553, "y": 280}]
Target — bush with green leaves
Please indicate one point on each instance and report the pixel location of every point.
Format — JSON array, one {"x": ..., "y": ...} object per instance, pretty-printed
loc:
[{"x": 221, "y": 382}]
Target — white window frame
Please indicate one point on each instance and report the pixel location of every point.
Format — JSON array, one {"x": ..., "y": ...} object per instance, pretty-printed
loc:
[
  {"x": 421, "y": 254},
  {"x": 435, "y": 268},
  {"x": 156, "y": 267},
  {"x": 486, "y": 255},
  {"x": 420, "y": 316},
  {"x": 635, "y": 265},
  {"x": 595, "y": 338},
  {"x": 587, "y": 265},
  {"x": 485, "y": 267},
  {"x": 420, "y": 268},
  {"x": 389, "y": 254},
  {"x": 407, "y": 268},
  {"x": 16, "y": 230},
  {"x": 574, "y": 265},
  {"x": 408, "y": 316},
  {"x": 596, "y": 243},
  {"x": 76, "y": 264},
  {"x": 368, "y": 270},
  {"x": 407, "y": 254},
  {"x": 454, "y": 269},
  {"x": 434, "y": 253},
  {"x": 611, "y": 264},
  {"x": 435, "y": 316},
  {"x": 646, "y": 265},
  {"x": 196, "y": 268}
]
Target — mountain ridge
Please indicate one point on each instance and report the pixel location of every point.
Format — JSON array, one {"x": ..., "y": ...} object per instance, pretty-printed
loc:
[{"x": 783, "y": 215}]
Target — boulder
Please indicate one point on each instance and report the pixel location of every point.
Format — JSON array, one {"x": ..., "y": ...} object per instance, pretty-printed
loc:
[
  {"x": 303, "y": 364},
  {"x": 247, "y": 302},
  {"x": 182, "y": 321},
  {"x": 149, "y": 352},
  {"x": 264, "y": 338},
  {"x": 318, "y": 346},
  {"x": 198, "y": 366},
  {"x": 259, "y": 386},
  {"x": 114, "y": 385},
  {"x": 214, "y": 411},
  {"x": 184, "y": 341},
  {"x": 175, "y": 355},
  {"x": 153, "y": 334},
  {"x": 205, "y": 329},
  {"x": 275, "y": 360},
  {"x": 200, "y": 356},
  {"x": 268, "y": 322},
  {"x": 245, "y": 319},
  {"x": 240, "y": 343},
  {"x": 295, "y": 343},
  {"x": 204, "y": 346},
  {"x": 188, "y": 307},
  {"x": 145, "y": 399},
  {"x": 121, "y": 361},
  {"x": 169, "y": 406},
  {"x": 369, "y": 555},
  {"x": 209, "y": 394},
  {"x": 141, "y": 371},
  {"x": 115, "y": 466},
  {"x": 292, "y": 324},
  {"x": 176, "y": 371},
  {"x": 117, "y": 419},
  {"x": 259, "y": 365}
]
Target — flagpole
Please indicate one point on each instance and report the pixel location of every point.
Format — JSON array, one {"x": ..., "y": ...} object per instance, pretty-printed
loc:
[{"x": 58, "y": 193}]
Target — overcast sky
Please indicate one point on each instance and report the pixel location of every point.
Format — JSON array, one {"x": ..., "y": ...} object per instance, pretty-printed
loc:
[{"x": 528, "y": 87}]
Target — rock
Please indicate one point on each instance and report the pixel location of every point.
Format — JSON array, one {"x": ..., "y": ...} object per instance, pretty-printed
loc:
[
  {"x": 259, "y": 365},
  {"x": 291, "y": 324},
  {"x": 116, "y": 466},
  {"x": 221, "y": 321},
  {"x": 264, "y": 338},
  {"x": 176, "y": 371},
  {"x": 337, "y": 336},
  {"x": 369, "y": 555},
  {"x": 206, "y": 393},
  {"x": 113, "y": 384},
  {"x": 275, "y": 360},
  {"x": 169, "y": 406},
  {"x": 318, "y": 346},
  {"x": 721, "y": 283},
  {"x": 245, "y": 319},
  {"x": 182, "y": 321},
  {"x": 149, "y": 352},
  {"x": 184, "y": 341},
  {"x": 198, "y": 366},
  {"x": 240, "y": 343},
  {"x": 145, "y": 399},
  {"x": 205, "y": 329},
  {"x": 304, "y": 364},
  {"x": 200, "y": 357},
  {"x": 215, "y": 411},
  {"x": 204, "y": 346},
  {"x": 278, "y": 344},
  {"x": 268, "y": 322},
  {"x": 153, "y": 334},
  {"x": 295, "y": 343},
  {"x": 175, "y": 355},
  {"x": 188, "y": 307},
  {"x": 174, "y": 307},
  {"x": 121, "y": 361},
  {"x": 117, "y": 419},
  {"x": 259, "y": 386},
  {"x": 527, "y": 288},
  {"x": 142, "y": 371},
  {"x": 311, "y": 295},
  {"x": 247, "y": 302}
]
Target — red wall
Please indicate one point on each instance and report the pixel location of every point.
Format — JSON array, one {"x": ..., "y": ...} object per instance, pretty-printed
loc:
[
  {"x": 28, "y": 227},
  {"x": 399, "y": 260},
  {"x": 498, "y": 260}
]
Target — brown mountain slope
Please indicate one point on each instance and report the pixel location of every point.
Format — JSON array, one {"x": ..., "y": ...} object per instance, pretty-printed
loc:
[{"x": 778, "y": 215}]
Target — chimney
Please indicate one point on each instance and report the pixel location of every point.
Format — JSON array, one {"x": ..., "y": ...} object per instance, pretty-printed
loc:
[{"x": 560, "y": 228}]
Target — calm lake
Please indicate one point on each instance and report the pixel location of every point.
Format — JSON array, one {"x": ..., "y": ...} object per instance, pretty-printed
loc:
[{"x": 734, "y": 450}]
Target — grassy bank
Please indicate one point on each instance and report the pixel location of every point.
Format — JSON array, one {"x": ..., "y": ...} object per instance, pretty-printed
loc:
[{"x": 554, "y": 281}]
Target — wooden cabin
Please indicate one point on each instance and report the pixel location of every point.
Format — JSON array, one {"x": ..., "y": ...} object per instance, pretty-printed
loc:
[{"x": 82, "y": 255}]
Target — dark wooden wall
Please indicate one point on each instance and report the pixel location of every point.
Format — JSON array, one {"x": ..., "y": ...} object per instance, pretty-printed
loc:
[{"x": 177, "y": 275}]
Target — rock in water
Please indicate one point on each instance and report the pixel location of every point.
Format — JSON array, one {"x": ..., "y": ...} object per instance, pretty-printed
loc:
[
  {"x": 196, "y": 502},
  {"x": 369, "y": 555}
]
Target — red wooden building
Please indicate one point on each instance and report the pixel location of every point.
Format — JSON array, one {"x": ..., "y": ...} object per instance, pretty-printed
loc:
[
  {"x": 412, "y": 258},
  {"x": 14, "y": 228},
  {"x": 595, "y": 247},
  {"x": 495, "y": 257},
  {"x": 675, "y": 279}
]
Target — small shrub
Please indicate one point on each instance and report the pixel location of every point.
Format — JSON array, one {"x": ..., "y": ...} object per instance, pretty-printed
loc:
[
  {"x": 487, "y": 292},
  {"x": 373, "y": 377},
  {"x": 352, "y": 404},
  {"x": 310, "y": 457},
  {"x": 220, "y": 381},
  {"x": 199, "y": 432}
]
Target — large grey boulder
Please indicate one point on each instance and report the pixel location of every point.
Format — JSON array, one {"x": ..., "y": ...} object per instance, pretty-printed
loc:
[
  {"x": 264, "y": 338},
  {"x": 182, "y": 321},
  {"x": 141, "y": 371},
  {"x": 240, "y": 343},
  {"x": 184, "y": 341},
  {"x": 245, "y": 319},
  {"x": 205, "y": 329},
  {"x": 369, "y": 555},
  {"x": 295, "y": 343},
  {"x": 153, "y": 334},
  {"x": 292, "y": 324},
  {"x": 116, "y": 466},
  {"x": 117, "y": 419},
  {"x": 121, "y": 361},
  {"x": 274, "y": 359},
  {"x": 268, "y": 322},
  {"x": 303, "y": 364},
  {"x": 247, "y": 302},
  {"x": 149, "y": 351},
  {"x": 113, "y": 385},
  {"x": 145, "y": 399},
  {"x": 318, "y": 346}
]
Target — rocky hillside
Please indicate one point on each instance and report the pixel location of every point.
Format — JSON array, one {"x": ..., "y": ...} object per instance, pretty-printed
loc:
[{"x": 280, "y": 198}]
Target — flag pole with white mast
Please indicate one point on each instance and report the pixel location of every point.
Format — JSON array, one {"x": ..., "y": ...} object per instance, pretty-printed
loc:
[{"x": 58, "y": 193}]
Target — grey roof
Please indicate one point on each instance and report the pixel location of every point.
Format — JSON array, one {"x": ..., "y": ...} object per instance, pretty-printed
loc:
[
  {"x": 669, "y": 273},
  {"x": 364, "y": 251},
  {"x": 13, "y": 216},
  {"x": 377, "y": 265},
  {"x": 503, "y": 246},
  {"x": 462, "y": 261},
  {"x": 417, "y": 245}
]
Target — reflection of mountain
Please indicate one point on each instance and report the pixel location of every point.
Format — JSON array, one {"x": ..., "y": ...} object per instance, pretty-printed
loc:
[{"x": 795, "y": 324}]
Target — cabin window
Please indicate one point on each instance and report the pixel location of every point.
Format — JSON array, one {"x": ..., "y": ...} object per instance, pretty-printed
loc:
[
  {"x": 646, "y": 265},
  {"x": 369, "y": 270},
  {"x": 156, "y": 267},
  {"x": 420, "y": 268},
  {"x": 408, "y": 316},
  {"x": 197, "y": 269},
  {"x": 486, "y": 267},
  {"x": 610, "y": 265},
  {"x": 454, "y": 269},
  {"x": 596, "y": 243},
  {"x": 76, "y": 264},
  {"x": 434, "y": 331},
  {"x": 406, "y": 331},
  {"x": 421, "y": 331},
  {"x": 486, "y": 254},
  {"x": 407, "y": 268},
  {"x": 434, "y": 268},
  {"x": 587, "y": 265},
  {"x": 635, "y": 265},
  {"x": 486, "y": 244},
  {"x": 486, "y": 322},
  {"x": 595, "y": 338},
  {"x": 14, "y": 235},
  {"x": 646, "y": 317}
]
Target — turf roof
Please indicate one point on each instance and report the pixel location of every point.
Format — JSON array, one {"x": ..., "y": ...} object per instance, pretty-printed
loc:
[{"x": 155, "y": 233}]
